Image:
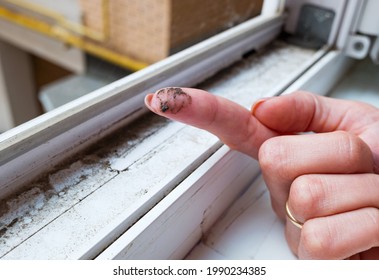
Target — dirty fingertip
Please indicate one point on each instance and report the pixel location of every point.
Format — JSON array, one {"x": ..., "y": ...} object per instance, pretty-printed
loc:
[{"x": 169, "y": 100}]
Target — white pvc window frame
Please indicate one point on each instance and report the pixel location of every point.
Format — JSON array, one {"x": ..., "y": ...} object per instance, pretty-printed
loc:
[{"x": 35, "y": 146}]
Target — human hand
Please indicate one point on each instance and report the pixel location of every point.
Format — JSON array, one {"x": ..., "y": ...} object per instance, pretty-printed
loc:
[{"x": 329, "y": 178}]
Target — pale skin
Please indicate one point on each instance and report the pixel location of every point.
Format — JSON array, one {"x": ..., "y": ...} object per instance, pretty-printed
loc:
[{"x": 329, "y": 177}]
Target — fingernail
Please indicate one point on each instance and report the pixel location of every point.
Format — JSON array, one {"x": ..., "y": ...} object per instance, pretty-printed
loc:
[
  {"x": 258, "y": 103},
  {"x": 148, "y": 102}
]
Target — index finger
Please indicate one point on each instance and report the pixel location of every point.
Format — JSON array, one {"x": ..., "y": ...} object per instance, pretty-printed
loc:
[{"x": 232, "y": 123}]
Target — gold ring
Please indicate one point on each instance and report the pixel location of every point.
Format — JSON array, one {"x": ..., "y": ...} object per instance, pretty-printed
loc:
[{"x": 292, "y": 218}]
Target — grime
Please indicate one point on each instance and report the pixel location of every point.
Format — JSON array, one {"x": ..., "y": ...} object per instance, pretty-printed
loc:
[{"x": 173, "y": 99}]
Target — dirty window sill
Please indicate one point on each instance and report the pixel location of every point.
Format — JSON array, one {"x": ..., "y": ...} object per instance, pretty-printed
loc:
[{"x": 124, "y": 175}]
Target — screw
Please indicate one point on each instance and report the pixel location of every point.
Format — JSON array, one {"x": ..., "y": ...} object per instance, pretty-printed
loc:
[{"x": 358, "y": 46}]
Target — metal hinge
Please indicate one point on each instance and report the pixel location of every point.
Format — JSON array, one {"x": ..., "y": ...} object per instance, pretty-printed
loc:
[{"x": 363, "y": 40}]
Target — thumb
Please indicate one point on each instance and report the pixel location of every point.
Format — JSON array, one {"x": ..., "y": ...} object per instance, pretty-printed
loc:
[
  {"x": 303, "y": 112},
  {"x": 232, "y": 123}
]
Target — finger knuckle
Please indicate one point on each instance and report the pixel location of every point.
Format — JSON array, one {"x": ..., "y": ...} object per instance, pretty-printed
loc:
[
  {"x": 316, "y": 241},
  {"x": 305, "y": 195},
  {"x": 358, "y": 156},
  {"x": 272, "y": 156}
]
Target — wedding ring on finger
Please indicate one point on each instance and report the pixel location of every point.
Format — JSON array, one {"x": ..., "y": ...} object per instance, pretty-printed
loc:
[{"x": 293, "y": 220}]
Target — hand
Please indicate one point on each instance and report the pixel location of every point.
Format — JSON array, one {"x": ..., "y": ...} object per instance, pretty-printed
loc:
[{"x": 329, "y": 178}]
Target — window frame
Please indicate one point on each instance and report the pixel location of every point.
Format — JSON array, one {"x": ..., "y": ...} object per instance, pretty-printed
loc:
[{"x": 34, "y": 147}]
